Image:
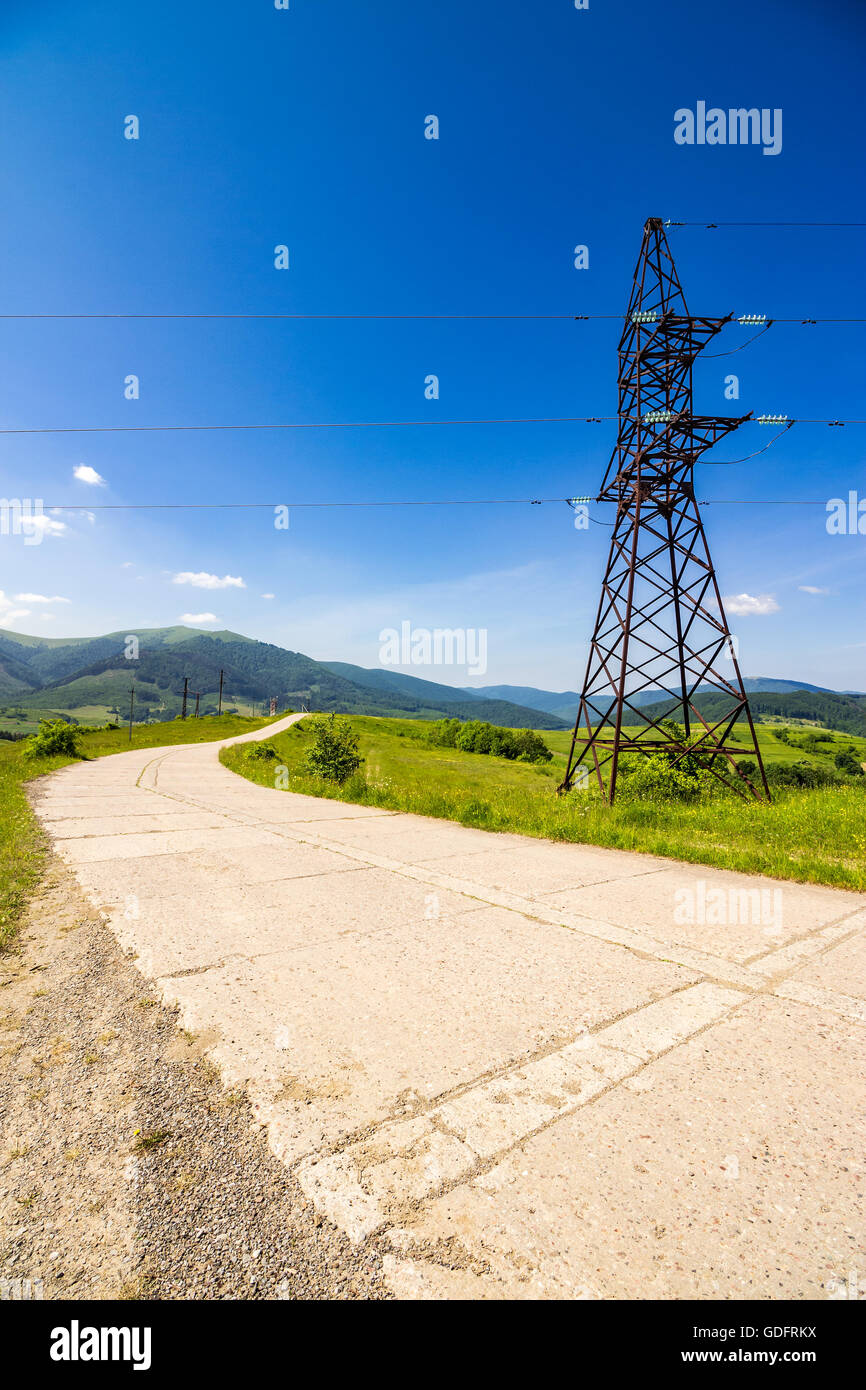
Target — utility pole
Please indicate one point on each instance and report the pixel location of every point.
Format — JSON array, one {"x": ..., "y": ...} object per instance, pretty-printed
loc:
[
  {"x": 197, "y": 698},
  {"x": 183, "y": 708},
  {"x": 660, "y": 624},
  {"x": 131, "y": 708},
  {"x": 222, "y": 673}
]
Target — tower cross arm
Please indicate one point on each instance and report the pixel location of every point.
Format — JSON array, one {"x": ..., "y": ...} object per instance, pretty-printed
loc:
[{"x": 710, "y": 428}]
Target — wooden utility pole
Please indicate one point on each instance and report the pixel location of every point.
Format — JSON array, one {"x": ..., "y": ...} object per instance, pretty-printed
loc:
[
  {"x": 183, "y": 708},
  {"x": 220, "y": 710},
  {"x": 131, "y": 708},
  {"x": 197, "y": 698}
]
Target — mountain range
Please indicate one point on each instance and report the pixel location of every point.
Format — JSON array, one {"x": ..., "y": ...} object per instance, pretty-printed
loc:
[{"x": 90, "y": 677}]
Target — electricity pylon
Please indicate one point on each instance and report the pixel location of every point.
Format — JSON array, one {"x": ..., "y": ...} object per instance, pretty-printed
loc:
[{"x": 661, "y": 624}]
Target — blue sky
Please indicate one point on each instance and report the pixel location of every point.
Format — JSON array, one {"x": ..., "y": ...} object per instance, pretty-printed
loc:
[{"x": 305, "y": 127}]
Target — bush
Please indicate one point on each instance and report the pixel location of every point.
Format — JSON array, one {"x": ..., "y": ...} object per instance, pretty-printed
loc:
[
  {"x": 800, "y": 774},
  {"x": 476, "y": 736},
  {"x": 53, "y": 737},
  {"x": 334, "y": 754},
  {"x": 443, "y": 733},
  {"x": 260, "y": 752},
  {"x": 847, "y": 763},
  {"x": 657, "y": 778},
  {"x": 668, "y": 774}
]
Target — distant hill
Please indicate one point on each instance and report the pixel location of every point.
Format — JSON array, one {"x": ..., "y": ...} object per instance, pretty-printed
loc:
[
  {"x": 78, "y": 673},
  {"x": 382, "y": 678},
  {"x": 565, "y": 704},
  {"x": 562, "y": 704},
  {"x": 847, "y": 713}
]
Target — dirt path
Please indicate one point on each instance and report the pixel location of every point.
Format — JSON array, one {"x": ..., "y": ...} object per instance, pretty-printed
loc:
[{"x": 126, "y": 1169}]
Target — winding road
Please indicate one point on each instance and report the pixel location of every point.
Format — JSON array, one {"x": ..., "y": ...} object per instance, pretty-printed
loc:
[{"x": 522, "y": 1069}]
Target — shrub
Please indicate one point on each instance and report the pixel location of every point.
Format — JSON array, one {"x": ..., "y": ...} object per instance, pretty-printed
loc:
[
  {"x": 53, "y": 737},
  {"x": 847, "y": 763},
  {"x": 531, "y": 747},
  {"x": 477, "y": 736},
  {"x": 657, "y": 778},
  {"x": 801, "y": 774},
  {"x": 444, "y": 732},
  {"x": 334, "y": 754},
  {"x": 260, "y": 752},
  {"x": 668, "y": 774}
]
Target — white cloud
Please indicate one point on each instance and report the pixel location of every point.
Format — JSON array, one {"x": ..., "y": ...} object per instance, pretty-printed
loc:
[
  {"x": 202, "y": 580},
  {"x": 8, "y": 613},
  {"x": 48, "y": 525},
  {"x": 811, "y": 589},
  {"x": 41, "y": 598},
  {"x": 195, "y": 618},
  {"x": 85, "y": 474},
  {"x": 268, "y": 595},
  {"x": 127, "y": 565},
  {"x": 750, "y": 605}
]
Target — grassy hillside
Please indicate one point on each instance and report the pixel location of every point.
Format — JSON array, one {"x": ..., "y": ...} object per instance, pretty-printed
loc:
[
  {"x": 23, "y": 846},
  {"x": 814, "y": 836}
]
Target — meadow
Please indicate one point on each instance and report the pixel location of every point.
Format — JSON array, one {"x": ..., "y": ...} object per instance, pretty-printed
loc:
[{"x": 812, "y": 836}]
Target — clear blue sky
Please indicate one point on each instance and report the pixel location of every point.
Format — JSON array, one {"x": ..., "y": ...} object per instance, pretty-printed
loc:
[{"x": 306, "y": 127}]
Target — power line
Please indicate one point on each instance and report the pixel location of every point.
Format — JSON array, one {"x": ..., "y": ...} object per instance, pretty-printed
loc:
[
  {"x": 712, "y": 225},
  {"x": 571, "y": 318},
  {"x": 425, "y": 502},
  {"x": 313, "y": 425},
  {"x": 377, "y": 424}
]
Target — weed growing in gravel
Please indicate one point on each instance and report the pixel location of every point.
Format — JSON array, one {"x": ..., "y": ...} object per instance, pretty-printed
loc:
[{"x": 151, "y": 1139}]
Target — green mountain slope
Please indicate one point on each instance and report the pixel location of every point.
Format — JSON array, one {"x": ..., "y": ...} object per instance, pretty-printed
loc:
[
  {"x": 93, "y": 674},
  {"x": 382, "y": 678}
]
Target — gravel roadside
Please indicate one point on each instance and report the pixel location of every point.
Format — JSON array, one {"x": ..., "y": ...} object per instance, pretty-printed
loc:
[{"x": 126, "y": 1169}]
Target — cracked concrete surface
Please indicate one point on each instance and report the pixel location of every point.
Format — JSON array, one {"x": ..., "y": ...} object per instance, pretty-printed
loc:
[{"x": 527, "y": 1069}]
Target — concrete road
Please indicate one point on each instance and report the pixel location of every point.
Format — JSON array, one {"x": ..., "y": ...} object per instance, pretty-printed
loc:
[{"x": 524, "y": 1069}]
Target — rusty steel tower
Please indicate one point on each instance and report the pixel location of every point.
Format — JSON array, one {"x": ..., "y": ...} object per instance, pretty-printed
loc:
[{"x": 661, "y": 624}]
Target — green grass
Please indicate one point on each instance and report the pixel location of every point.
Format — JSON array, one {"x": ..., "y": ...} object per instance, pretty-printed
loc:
[
  {"x": 23, "y": 846},
  {"x": 815, "y": 836},
  {"x": 773, "y": 749}
]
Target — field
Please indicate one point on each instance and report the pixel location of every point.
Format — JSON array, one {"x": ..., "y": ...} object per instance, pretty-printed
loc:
[
  {"x": 815, "y": 836},
  {"x": 22, "y": 844},
  {"x": 773, "y": 749}
]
